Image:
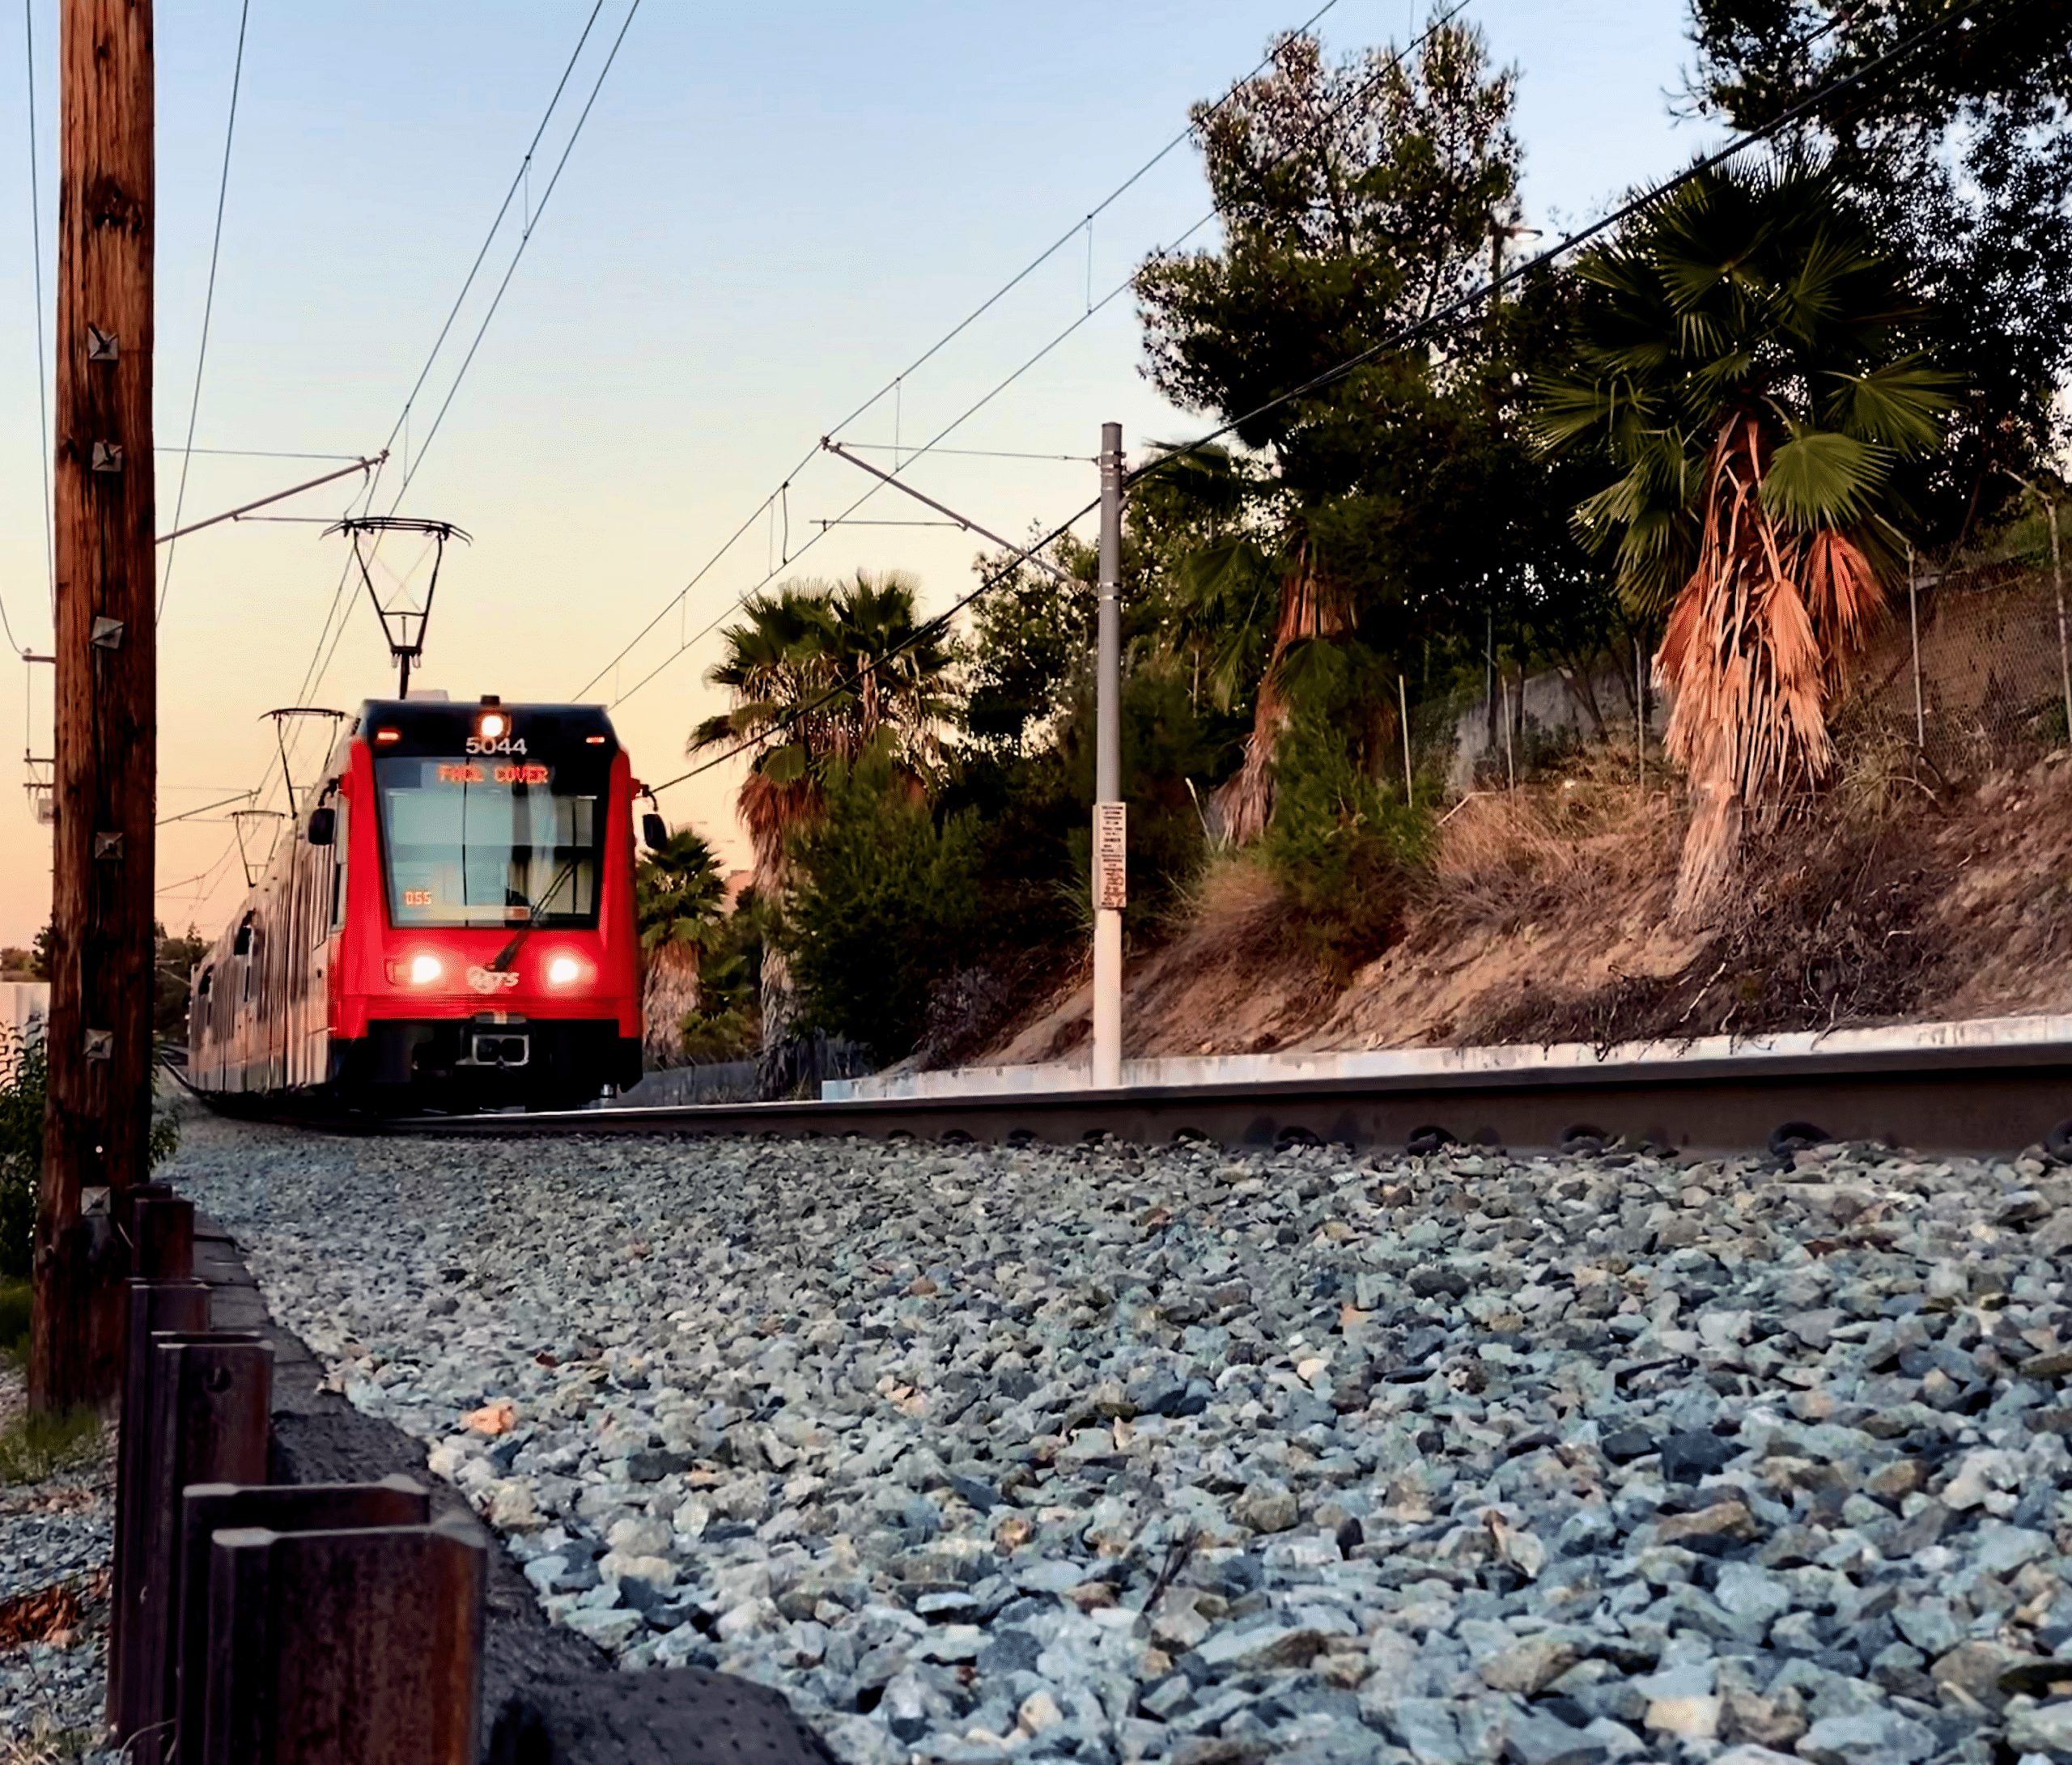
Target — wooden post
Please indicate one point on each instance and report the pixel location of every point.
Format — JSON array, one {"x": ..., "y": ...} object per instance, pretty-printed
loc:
[
  {"x": 209, "y": 1508},
  {"x": 181, "y": 1305},
  {"x": 211, "y": 1423},
  {"x": 362, "y": 1645},
  {"x": 161, "y": 1235},
  {"x": 97, "y": 1123}
]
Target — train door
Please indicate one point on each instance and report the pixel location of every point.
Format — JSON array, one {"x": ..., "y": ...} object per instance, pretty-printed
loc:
[
  {"x": 328, "y": 927},
  {"x": 200, "y": 1044},
  {"x": 243, "y": 1040}
]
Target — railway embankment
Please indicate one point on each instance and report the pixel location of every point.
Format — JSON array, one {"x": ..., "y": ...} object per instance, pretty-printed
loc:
[
  {"x": 1544, "y": 916},
  {"x": 1173, "y": 1454}
]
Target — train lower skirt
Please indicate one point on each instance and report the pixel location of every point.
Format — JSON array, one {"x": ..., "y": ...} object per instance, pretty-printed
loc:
[{"x": 466, "y": 1064}]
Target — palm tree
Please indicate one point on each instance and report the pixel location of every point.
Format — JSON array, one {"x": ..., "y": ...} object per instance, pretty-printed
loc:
[
  {"x": 820, "y": 673},
  {"x": 1750, "y": 368},
  {"x": 680, "y": 907}
]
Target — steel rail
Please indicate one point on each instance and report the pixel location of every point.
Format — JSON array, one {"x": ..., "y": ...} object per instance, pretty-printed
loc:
[{"x": 1932, "y": 1100}]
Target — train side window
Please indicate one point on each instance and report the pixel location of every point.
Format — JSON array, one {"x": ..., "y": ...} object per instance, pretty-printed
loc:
[
  {"x": 248, "y": 938},
  {"x": 241, "y": 945},
  {"x": 208, "y": 978},
  {"x": 339, "y": 845}
]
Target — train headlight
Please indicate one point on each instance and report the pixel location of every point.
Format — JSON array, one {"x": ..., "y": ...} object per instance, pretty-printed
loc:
[
  {"x": 564, "y": 971},
  {"x": 491, "y": 724},
  {"x": 425, "y": 969}
]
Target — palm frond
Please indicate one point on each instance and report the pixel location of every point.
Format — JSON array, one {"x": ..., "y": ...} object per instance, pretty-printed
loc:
[
  {"x": 1899, "y": 404},
  {"x": 1821, "y": 479}
]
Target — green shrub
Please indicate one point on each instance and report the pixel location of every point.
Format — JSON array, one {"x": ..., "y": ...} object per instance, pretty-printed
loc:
[
  {"x": 1344, "y": 848},
  {"x": 723, "y": 1025},
  {"x": 883, "y": 907},
  {"x": 16, "y": 1297},
  {"x": 24, "y": 1076},
  {"x": 34, "y": 1447},
  {"x": 24, "y": 1084}
]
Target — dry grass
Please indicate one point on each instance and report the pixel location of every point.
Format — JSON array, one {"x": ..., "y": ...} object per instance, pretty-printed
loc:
[
  {"x": 34, "y": 1448},
  {"x": 46, "y": 1744},
  {"x": 1894, "y": 895},
  {"x": 1231, "y": 891},
  {"x": 1595, "y": 842}
]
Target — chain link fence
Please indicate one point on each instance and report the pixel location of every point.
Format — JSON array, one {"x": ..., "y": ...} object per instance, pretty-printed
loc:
[{"x": 1972, "y": 669}]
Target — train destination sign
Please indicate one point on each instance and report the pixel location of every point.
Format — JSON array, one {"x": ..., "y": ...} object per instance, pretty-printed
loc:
[{"x": 473, "y": 772}]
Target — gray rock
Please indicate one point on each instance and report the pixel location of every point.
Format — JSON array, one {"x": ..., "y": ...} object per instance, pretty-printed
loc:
[
  {"x": 927, "y": 1428},
  {"x": 2000, "y": 1549},
  {"x": 1690, "y": 1456},
  {"x": 1266, "y": 1507},
  {"x": 1534, "y": 1739},
  {"x": 1529, "y": 1666},
  {"x": 1260, "y": 1647},
  {"x": 2046, "y": 1728},
  {"x": 1869, "y": 1734},
  {"x": 1425, "y": 1727}
]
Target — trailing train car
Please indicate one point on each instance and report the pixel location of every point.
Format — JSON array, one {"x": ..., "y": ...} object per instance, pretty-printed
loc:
[{"x": 449, "y": 925}]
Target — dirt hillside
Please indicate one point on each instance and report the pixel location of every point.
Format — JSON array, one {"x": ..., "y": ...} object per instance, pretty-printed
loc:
[{"x": 1898, "y": 896}]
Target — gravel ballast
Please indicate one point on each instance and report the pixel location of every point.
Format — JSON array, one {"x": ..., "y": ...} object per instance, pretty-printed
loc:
[
  {"x": 56, "y": 1541},
  {"x": 1180, "y": 1454}
]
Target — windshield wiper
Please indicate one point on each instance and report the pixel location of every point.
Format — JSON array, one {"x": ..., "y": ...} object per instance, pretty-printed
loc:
[{"x": 508, "y": 953}]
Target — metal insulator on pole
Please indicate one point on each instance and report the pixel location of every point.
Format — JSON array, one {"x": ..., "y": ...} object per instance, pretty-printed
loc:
[{"x": 1110, "y": 837}]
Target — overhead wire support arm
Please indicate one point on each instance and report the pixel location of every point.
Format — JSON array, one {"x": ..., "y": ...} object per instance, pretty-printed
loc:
[
  {"x": 243, "y": 509},
  {"x": 969, "y": 525}
]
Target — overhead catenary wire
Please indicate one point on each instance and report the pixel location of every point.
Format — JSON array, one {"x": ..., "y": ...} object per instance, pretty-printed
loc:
[
  {"x": 319, "y": 660},
  {"x": 251, "y": 453},
  {"x": 534, "y": 214},
  {"x": 524, "y": 238},
  {"x": 43, "y": 439},
  {"x": 189, "y": 815},
  {"x": 894, "y": 385},
  {"x": 327, "y": 643},
  {"x": 46, "y": 442},
  {"x": 1400, "y": 339},
  {"x": 1086, "y": 221},
  {"x": 1093, "y": 308},
  {"x": 208, "y": 307}
]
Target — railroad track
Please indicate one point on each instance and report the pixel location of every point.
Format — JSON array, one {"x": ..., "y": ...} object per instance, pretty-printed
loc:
[{"x": 1945, "y": 1099}]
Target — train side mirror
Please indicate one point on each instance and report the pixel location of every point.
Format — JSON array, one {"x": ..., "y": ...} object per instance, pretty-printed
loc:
[
  {"x": 323, "y": 826},
  {"x": 654, "y": 832}
]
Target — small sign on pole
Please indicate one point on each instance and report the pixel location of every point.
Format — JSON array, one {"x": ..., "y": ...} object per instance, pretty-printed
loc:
[{"x": 1110, "y": 857}]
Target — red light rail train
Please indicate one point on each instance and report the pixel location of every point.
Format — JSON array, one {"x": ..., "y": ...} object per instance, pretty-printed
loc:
[{"x": 449, "y": 923}]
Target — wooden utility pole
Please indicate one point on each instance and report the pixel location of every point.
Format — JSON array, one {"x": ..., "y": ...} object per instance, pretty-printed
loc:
[{"x": 98, "y": 1125}]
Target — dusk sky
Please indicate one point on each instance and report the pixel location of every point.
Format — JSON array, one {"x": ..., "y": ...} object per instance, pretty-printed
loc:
[{"x": 771, "y": 212}]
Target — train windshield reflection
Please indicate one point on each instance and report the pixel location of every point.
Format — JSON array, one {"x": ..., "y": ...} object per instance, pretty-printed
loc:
[{"x": 484, "y": 844}]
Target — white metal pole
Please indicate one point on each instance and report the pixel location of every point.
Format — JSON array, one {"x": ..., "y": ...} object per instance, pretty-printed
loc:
[
  {"x": 1510, "y": 753},
  {"x": 1639, "y": 719},
  {"x": 1914, "y": 634},
  {"x": 1109, "y": 846},
  {"x": 2064, "y": 648},
  {"x": 1409, "y": 778}
]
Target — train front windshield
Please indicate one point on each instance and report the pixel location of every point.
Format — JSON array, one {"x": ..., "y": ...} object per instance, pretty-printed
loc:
[{"x": 488, "y": 843}]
